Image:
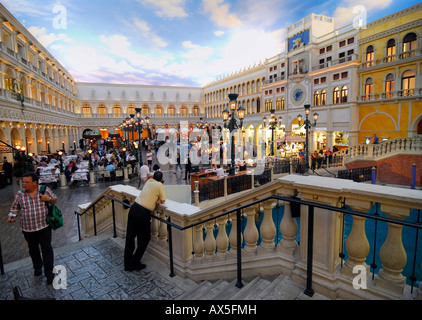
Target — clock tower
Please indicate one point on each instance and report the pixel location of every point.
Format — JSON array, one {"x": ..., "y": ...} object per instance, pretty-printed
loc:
[{"x": 301, "y": 37}]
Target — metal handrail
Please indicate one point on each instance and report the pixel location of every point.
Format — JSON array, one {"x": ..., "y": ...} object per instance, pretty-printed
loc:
[{"x": 311, "y": 205}]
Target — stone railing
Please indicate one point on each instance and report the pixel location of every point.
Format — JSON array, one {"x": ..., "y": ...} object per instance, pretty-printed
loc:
[
  {"x": 408, "y": 146},
  {"x": 208, "y": 250}
]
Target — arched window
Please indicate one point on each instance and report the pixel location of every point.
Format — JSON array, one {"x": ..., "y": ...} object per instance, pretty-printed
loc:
[
  {"x": 184, "y": 111},
  {"x": 158, "y": 111},
  {"x": 336, "y": 95},
  {"x": 195, "y": 110},
  {"x": 408, "y": 83},
  {"x": 344, "y": 92},
  {"x": 86, "y": 110},
  {"x": 131, "y": 109},
  {"x": 369, "y": 88},
  {"x": 323, "y": 98},
  {"x": 171, "y": 111},
  {"x": 145, "y": 110},
  {"x": 370, "y": 56},
  {"x": 117, "y": 111},
  {"x": 409, "y": 44},
  {"x": 389, "y": 85},
  {"x": 316, "y": 98},
  {"x": 102, "y": 111},
  {"x": 391, "y": 50}
]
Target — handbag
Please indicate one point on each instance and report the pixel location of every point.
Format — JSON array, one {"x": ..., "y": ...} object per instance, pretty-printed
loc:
[{"x": 54, "y": 217}]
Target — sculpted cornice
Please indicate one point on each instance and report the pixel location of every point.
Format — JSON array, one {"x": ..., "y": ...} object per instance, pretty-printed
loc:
[
  {"x": 392, "y": 31},
  {"x": 13, "y": 114}
]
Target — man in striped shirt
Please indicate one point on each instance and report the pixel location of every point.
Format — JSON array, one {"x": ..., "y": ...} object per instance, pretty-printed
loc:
[{"x": 31, "y": 207}]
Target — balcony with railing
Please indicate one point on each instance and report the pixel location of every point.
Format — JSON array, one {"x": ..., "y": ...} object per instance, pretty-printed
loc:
[
  {"x": 328, "y": 64},
  {"x": 391, "y": 60}
]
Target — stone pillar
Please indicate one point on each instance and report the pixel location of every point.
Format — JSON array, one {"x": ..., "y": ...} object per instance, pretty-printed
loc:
[
  {"x": 63, "y": 182},
  {"x": 91, "y": 178},
  {"x": 288, "y": 228},
  {"x": 392, "y": 253},
  {"x": 357, "y": 244},
  {"x": 198, "y": 245},
  {"x": 251, "y": 233},
  {"x": 233, "y": 235},
  {"x": 162, "y": 229},
  {"x": 125, "y": 175},
  {"x": 210, "y": 242},
  {"x": 222, "y": 238},
  {"x": 268, "y": 229},
  {"x": 154, "y": 228}
]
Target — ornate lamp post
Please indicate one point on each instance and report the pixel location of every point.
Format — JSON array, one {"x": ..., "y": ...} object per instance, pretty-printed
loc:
[
  {"x": 308, "y": 125},
  {"x": 140, "y": 127},
  {"x": 231, "y": 124},
  {"x": 273, "y": 124}
]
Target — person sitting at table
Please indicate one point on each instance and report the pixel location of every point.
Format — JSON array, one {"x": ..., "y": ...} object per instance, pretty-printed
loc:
[
  {"x": 72, "y": 165},
  {"x": 110, "y": 167},
  {"x": 219, "y": 171},
  {"x": 43, "y": 163},
  {"x": 67, "y": 173}
]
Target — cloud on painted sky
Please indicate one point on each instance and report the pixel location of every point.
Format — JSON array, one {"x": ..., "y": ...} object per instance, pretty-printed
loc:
[
  {"x": 148, "y": 34},
  {"x": 219, "y": 12},
  {"x": 167, "y": 8}
]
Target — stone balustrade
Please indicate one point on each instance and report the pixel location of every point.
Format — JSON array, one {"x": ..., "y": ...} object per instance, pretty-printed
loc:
[
  {"x": 208, "y": 250},
  {"x": 398, "y": 146}
]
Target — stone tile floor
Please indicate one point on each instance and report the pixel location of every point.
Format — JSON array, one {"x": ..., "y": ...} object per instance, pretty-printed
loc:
[{"x": 93, "y": 272}]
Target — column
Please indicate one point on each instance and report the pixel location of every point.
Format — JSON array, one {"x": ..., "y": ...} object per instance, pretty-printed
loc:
[
  {"x": 210, "y": 242},
  {"x": 392, "y": 253},
  {"x": 357, "y": 244},
  {"x": 268, "y": 229},
  {"x": 288, "y": 228},
  {"x": 233, "y": 235},
  {"x": 251, "y": 233},
  {"x": 154, "y": 228},
  {"x": 198, "y": 245},
  {"x": 222, "y": 240}
]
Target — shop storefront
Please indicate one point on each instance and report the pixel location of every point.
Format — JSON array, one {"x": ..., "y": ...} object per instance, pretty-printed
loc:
[{"x": 341, "y": 140}]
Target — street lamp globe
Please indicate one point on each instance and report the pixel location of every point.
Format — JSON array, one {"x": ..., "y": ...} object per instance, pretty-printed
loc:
[
  {"x": 225, "y": 115},
  {"x": 241, "y": 113}
]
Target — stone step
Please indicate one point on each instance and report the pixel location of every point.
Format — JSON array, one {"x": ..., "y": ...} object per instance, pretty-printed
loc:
[
  {"x": 214, "y": 291},
  {"x": 198, "y": 290},
  {"x": 227, "y": 292},
  {"x": 252, "y": 289}
]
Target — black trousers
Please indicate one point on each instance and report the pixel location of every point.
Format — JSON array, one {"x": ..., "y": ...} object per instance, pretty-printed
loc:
[
  {"x": 139, "y": 227},
  {"x": 35, "y": 240}
]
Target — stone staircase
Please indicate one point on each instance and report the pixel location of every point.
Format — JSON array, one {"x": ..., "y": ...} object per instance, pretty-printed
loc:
[{"x": 281, "y": 288}]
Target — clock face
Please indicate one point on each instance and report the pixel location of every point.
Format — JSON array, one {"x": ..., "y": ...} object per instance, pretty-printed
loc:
[{"x": 297, "y": 94}]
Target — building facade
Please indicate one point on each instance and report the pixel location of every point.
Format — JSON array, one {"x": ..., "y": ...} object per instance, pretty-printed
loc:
[
  {"x": 390, "y": 76},
  {"x": 359, "y": 81}
]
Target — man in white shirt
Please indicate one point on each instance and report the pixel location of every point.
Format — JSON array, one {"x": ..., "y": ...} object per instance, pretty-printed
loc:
[
  {"x": 219, "y": 171},
  {"x": 139, "y": 221},
  {"x": 143, "y": 173}
]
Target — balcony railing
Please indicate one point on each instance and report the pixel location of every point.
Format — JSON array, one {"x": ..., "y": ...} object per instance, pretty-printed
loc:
[
  {"x": 397, "y": 94},
  {"x": 395, "y": 58},
  {"x": 331, "y": 63}
]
